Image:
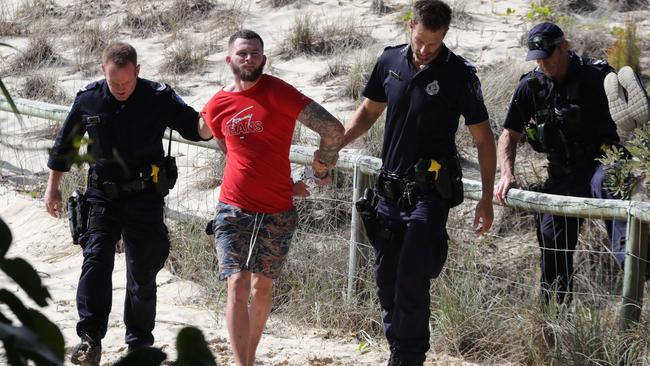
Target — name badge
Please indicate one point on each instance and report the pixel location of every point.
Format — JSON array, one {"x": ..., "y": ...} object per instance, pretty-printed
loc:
[{"x": 93, "y": 120}]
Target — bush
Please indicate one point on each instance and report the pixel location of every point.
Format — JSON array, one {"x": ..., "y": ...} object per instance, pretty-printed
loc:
[
  {"x": 308, "y": 37},
  {"x": 89, "y": 41},
  {"x": 39, "y": 52},
  {"x": 43, "y": 87},
  {"x": 358, "y": 75},
  {"x": 182, "y": 58}
]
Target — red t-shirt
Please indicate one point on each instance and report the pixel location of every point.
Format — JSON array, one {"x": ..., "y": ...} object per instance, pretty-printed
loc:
[{"x": 257, "y": 125}]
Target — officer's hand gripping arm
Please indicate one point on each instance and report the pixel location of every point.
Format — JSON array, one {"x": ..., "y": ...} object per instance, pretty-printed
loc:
[{"x": 316, "y": 118}]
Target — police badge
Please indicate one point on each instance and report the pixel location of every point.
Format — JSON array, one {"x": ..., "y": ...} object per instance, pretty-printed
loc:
[{"x": 432, "y": 88}]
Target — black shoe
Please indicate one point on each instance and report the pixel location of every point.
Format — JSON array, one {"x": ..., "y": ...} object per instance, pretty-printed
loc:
[
  {"x": 88, "y": 352},
  {"x": 135, "y": 347},
  {"x": 396, "y": 360}
]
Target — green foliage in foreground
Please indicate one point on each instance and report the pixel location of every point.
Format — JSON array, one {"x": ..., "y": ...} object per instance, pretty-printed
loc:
[{"x": 625, "y": 174}]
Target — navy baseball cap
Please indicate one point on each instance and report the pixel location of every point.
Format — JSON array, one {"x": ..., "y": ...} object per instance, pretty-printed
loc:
[{"x": 542, "y": 40}]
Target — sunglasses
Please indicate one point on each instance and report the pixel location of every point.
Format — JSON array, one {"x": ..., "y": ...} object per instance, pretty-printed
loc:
[{"x": 544, "y": 44}]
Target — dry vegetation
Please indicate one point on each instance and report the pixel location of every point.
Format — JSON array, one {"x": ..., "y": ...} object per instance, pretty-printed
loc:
[
  {"x": 308, "y": 36},
  {"x": 40, "y": 52},
  {"x": 43, "y": 87}
]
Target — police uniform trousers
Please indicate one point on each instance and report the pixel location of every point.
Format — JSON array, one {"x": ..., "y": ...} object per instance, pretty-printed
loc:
[
  {"x": 410, "y": 249},
  {"x": 558, "y": 235},
  {"x": 138, "y": 220}
]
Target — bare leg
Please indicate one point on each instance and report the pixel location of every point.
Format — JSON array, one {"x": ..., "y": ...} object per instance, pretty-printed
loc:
[
  {"x": 237, "y": 318},
  {"x": 258, "y": 312}
]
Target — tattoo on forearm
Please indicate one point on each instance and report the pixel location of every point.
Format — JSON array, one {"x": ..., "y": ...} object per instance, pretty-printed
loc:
[{"x": 315, "y": 117}]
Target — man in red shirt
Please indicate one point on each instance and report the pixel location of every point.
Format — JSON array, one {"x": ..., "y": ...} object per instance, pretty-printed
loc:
[{"x": 253, "y": 121}]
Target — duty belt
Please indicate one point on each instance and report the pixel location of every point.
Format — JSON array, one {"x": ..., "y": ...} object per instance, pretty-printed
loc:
[
  {"x": 115, "y": 190},
  {"x": 399, "y": 189}
]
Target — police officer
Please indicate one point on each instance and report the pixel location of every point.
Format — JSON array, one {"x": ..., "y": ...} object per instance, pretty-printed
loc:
[
  {"x": 562, "y": 108},
  {"x": 125, "y": 117},
  {"x": 426, "y": 88}
]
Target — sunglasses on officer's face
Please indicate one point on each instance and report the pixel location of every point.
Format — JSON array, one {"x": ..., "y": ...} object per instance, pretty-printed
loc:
[{"x": 544, "y": 44}]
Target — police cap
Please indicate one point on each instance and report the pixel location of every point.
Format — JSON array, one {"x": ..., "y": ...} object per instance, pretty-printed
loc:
[{"x": 542, "y": 40}]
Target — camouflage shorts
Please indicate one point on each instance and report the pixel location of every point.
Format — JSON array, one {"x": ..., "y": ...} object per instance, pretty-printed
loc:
[{"x": 250, "y": 241}]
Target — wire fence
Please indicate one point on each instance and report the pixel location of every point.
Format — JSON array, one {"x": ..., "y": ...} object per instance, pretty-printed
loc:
[{"x": 330, "y": 259}]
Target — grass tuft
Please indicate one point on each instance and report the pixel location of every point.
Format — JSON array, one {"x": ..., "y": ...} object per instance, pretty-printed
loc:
[
  {"x": 44, "y": 87},
  {"x": 182, "y": 58},
  {"x": 89, "y": 41},
  {"x": 39, "y": 52},
  {"x": 308, "y": 37}
]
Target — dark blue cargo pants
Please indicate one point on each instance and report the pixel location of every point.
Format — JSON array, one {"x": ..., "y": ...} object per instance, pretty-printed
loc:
[
  {"x": 407, "y": 257},
  {"x": 558, "y": 235},
  {"x": 139, "y": 221}
]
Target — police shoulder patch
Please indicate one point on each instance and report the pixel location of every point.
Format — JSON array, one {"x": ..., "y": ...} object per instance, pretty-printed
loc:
[
  {"x": 161, "y": 86},
  {"x": 402, "y": 48}
]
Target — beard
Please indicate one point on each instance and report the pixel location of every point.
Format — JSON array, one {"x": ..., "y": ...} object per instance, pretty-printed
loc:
[{"x": 248, "y": 75}]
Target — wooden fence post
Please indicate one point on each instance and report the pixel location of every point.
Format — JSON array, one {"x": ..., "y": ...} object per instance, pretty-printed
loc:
[{"x": 636, "y": 250}]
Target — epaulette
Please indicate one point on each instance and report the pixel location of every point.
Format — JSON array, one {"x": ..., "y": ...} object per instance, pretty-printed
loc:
[
  {"x": 467, "y": 63},
  {"x": 404, "y": 48},
  {"x": 90, "y": 86},
  {"x": 160, "y": 86}
]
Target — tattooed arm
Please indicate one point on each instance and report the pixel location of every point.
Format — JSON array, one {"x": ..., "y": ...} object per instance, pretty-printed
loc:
[{"x": 315, "y": 117}]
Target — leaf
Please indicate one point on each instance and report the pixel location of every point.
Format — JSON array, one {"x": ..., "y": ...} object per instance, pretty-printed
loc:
[
  {"x": 27, "y": 278},
  {"x": 10, "y": 100},
  {"x": 22, "y": 341},
  {"x": 192, "y": 349},
  {"x": 148, "y": 356},
  {"x": 5, "y": 238},
  {"x": 48, "y": 332}
]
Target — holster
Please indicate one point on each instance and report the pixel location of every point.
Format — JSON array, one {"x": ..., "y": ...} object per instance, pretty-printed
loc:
[
  {"x": 446, "y": 180},
  {"x": 78, "y": 210},
  {"x": 168, "y": 175},
  {"x": 366, "y": 207}
]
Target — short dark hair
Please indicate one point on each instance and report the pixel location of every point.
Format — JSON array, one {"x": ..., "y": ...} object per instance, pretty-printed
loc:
[
  {"x": 244, "y": 34},
  {"x": 120, "y": 54},
  {"x": 433, "y": 14}
]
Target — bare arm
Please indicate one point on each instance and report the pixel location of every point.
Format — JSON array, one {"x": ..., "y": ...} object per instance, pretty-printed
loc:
[
  {"x": 315, "y": 117},
  {"x": 506, "y": 154},
  {"x": 487, "y": 160},
  {"x": 53, "y": 200},
  {"x": 362, "y": 119}
]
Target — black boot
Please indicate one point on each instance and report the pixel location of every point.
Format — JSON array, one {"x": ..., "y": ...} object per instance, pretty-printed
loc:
[
  {"x": 396, "y": 360},
  {"x": 88, "y": 352}
]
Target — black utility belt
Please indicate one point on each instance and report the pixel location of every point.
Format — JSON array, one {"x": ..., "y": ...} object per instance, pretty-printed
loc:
[
  {"x": 431, "y": 177},
  {"x": 115, "y": 190},
  {"x": 159, "y": 178},
  {"x": 394, "y": 187}
]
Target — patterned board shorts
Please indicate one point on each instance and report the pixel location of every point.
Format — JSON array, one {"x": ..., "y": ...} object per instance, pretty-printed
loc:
[{"x": 250, "y": 241}]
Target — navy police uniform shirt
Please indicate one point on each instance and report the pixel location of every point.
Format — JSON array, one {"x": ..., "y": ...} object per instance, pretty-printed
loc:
[
  {"x": 424, "y": 106},
  {"x": 122, "y": 133},
  {"x": 596, "y": 124}
]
